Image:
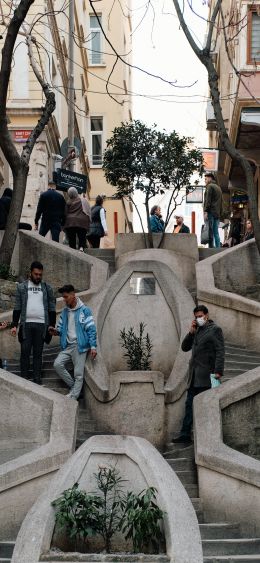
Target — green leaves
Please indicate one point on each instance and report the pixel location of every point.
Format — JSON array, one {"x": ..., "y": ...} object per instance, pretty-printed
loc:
[
  {"x": 138, "y": 348},
  {"x": 151, "y": 161},
  {"x": 137, "y": 516}
]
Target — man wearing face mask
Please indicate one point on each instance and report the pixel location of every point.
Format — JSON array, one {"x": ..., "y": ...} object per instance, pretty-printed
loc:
[{"x": 206, "y": 341}]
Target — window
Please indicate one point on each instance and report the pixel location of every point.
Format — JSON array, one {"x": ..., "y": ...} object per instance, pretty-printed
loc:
[
  {"x": 95, "y": 40},
  {"x": 96, "y": 131},
  {"x": 253, "y": 39}
]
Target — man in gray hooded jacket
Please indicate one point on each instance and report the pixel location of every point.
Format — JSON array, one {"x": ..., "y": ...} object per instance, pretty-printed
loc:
[{"x": 206, "y": 341}]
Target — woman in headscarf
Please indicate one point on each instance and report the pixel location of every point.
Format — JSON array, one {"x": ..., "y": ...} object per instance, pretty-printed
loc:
[{"x": 77, "y": 219}]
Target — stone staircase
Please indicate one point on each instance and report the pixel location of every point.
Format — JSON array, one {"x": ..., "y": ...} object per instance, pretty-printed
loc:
[
  {"x": 222, "y": 542},
  {"x": 6, "y": 551},
  {"x": 239, "y": 360},
  {"x": 106, "y": 254}
]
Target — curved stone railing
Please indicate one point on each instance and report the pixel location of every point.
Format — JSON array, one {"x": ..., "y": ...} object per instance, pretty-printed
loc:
[
  {"x": 238, "y": 316},
  {"x": 229, "y": 481},
  {"x": 110, "y": 406},
  {"x": 41, "y": 423},
  {"x": 142, "y": 466}
]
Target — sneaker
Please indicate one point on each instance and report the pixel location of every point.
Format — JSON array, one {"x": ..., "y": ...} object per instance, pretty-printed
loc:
[
  {"x": 81, "y": 249},
  {"x": 71, "y": 396},
  {"x": 182, "y": 440}
]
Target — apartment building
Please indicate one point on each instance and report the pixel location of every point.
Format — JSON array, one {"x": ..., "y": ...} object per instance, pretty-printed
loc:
[
  {"x": 107, "y": 111},
  {"x": 240, "y": 97},
  {"x": 95, "y": 113}
]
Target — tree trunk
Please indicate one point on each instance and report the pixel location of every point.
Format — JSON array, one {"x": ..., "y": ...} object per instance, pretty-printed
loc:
[{"x": 19, "y": 187}]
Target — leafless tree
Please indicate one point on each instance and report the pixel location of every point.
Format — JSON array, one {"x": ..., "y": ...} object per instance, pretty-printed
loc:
[
  {"x": 19, "y": 164},
  {"x": 204, "y": 55}
]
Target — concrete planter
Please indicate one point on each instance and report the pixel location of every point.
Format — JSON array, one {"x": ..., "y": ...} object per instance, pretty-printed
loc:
[
  {"x": 142, "y": 466},
  {"x": 105, "y": 557}
]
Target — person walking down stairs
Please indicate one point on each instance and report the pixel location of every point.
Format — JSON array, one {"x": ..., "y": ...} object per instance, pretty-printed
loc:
[
  {"x": 78, "y": 337},
  {"x": 35, "y": 309},
  {"x": 98, "y": 226},
  {"x": 206, "y": 341}
]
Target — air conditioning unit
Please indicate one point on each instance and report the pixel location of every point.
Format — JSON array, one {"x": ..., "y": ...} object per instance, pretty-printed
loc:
[{"x": 210, "y": 117}]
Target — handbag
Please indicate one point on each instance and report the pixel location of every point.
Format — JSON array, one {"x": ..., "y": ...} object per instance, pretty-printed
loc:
[
  {"x": 214, "y": 382},
  {"x": 206, "y": 233}
]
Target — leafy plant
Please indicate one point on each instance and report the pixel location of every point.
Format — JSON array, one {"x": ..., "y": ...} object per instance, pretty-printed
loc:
[
  {"x": 78, "y": 513},
  {"x": 109, "y": 482},
  {"x": 138, "y": 348},
  {"x": 141, "y": 520},
  {"x": 110, "y": 510},
  {"x": 6, "y": 273}
]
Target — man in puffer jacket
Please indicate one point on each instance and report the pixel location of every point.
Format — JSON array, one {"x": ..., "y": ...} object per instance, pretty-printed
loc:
[{"x": 78, "y": 337}]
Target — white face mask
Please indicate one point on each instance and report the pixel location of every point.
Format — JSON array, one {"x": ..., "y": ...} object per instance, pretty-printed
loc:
[{"x": 201, "y": 321}]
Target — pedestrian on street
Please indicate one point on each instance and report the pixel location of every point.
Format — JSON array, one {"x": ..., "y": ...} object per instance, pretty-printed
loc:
[
  {"x": 249, "y": 234},
  {"x": 180, "y": 227},
  {"x": 77, "y": 219},
  {"x": 206, "y": 341},
  {"x": 35, "y": 308},
  {"x": 51, "y": 211},
  {"x": 98, "y": 226},
  {"x": 5, "y": 204},
  {"x": 213, "y": 207},
  {"x": 156, "y": 221},
  {"x": 3, "y": 325},
  {"x": 77, "y": 331}
]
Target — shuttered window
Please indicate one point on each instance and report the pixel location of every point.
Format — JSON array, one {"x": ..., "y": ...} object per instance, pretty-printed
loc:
[{"x": 253, "y": 36}]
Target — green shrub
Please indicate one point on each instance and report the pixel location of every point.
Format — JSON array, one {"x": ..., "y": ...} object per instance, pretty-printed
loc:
[
  {"x": 141, "y": 521},
  {"x": 138, "y": 348},
  {"x": 6, "y": 273}
]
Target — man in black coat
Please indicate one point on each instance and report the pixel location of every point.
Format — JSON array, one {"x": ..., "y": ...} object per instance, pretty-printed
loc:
[
  {"x": 180, "y": 227},
  {"x": 206, "y": 341},
  {"x": 51, "y": 210}
]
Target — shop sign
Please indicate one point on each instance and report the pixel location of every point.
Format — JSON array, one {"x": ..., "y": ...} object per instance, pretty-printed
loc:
[
  {"x": 196, "y": 195},
  {"x": 21, "y": 135},
  {"x": 210, "y": 160},
  {"x": 64, "y": 179}
]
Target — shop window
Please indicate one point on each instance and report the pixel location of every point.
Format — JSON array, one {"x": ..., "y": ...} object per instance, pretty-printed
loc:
[{"x": 253, "y": 36}]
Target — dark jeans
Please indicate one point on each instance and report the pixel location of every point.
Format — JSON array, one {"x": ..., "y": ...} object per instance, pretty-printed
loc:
[
  {"x": 72, "y": 234},
  {"x": 54, "y": 227},
  {"x": 34, "y": 341},
  {"x": 94, "y": 240},
  {"x": 215, "y": 241},
  {"x": 188, "y": 417}
]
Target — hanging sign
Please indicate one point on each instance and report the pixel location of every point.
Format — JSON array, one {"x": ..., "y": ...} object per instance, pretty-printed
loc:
[{"x": 210, "y": 160}]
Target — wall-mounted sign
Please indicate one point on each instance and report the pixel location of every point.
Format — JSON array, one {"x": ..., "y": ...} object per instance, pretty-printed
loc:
[
  {"x": 142, "y": 285},
  {"x": 196, "y": 195},
  {"x": 21, "y": 135},
  {"x": 65, "y": 179},
  {"x": 210, "y": 159}
]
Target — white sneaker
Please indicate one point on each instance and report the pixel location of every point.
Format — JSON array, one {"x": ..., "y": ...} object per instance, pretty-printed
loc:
[
  {"x": 71, "y": 396},
  {"x": 81, "y": 249}
]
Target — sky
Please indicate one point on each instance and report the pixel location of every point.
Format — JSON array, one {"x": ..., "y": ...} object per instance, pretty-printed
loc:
[{"x": 160, "y": 47}]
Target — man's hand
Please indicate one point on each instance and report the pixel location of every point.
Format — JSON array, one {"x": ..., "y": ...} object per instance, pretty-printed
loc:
[
  {"x": 106, "y": 233},
  {"x": 193, "y": 327},
  {"x": 14, "y": 331},
  {"x": 53, "y": 331},
  {"x": 36, "y": 227},
  {"x": 93, "y": 353},
  {"x": 3, "y": 325},
  {"x": 217, "y": 375},
  {"x": 205, "y": 216}
]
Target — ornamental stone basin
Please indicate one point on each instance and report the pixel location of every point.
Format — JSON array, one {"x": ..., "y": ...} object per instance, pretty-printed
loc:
[{"x": 142, "y": 403}]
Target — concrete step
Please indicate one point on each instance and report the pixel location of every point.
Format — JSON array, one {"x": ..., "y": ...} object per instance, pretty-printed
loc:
[
  {"x": 219, "y": 530},
  {"x": 238, "y": 546},
  {"x": 179, "y": 450},
  {"x": 4, "y": 560},
  {"x": 237, "y": 348},
  {"x": 241, "y": 365},
  {"x": 181, "y": 464},
  {"x": 232, "y": 559},
  {"x": 6, "y": 549},
  {"x": 234, "y": 372},
  {"x": 187, "y": 477},
  {"x": 192, "y": 490},
  {"x": 242, "y": 356}
]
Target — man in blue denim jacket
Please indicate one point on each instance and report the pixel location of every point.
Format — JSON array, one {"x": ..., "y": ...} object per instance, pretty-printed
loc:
[{"x": 78, "y": 337}]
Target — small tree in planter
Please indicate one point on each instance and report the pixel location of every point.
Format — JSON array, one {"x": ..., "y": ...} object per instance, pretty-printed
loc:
[
  {"x": 110, "y": 510},
  {"x": 138, "y": 348}
]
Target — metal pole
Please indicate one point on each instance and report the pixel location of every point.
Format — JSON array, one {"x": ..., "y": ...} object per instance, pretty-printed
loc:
[
  {"x": 193, "y": 222},
  {"x": 71, "y": 83}
]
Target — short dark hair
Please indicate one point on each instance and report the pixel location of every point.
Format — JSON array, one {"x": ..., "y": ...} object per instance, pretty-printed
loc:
[
  {"x": 8, "y": 193},
  {"x": 36, "y": 266},
  {"x": 99, "y": 200},
  {"x": 152, "y": 212},
  {"x": 210, "y": 175},
  {"x": 201, "y": 308},
  {"x": 67, "y": 288}
]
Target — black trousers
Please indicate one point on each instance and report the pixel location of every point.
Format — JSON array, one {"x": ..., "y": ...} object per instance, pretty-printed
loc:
[
  {"x": 188, "y": 417},
  {"x": 72, "y": 234},
  {"x": 33, "y": 341},
  {"x": 94, "y": 240},
  {"x": 54, "y": 227}
]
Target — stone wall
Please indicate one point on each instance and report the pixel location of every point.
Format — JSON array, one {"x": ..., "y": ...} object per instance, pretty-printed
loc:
[
  {"x": 238, "y": 270},
  {"x": 7, "y": 295},
  {"x": 241, "y": 425}
]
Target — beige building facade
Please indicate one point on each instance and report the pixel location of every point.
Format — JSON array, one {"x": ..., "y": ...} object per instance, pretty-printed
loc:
[
  {"x": 239, "y": 86},
  {"x": 95, "y": 113}
]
